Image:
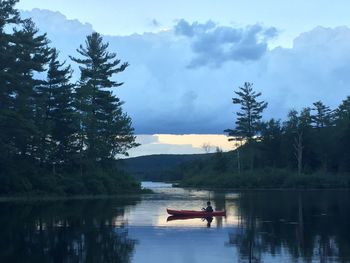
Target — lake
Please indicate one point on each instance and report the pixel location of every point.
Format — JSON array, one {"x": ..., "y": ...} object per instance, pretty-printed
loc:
[{"x": 260, "y": 226}]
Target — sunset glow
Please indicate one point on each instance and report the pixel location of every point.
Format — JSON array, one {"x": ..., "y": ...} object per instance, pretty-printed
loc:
[{"x": 180, "y": 144}]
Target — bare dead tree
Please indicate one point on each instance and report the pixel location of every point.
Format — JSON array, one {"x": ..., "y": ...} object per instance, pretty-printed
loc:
[
  {"x": 298, "y": 147},
  {"x": 206, "y": 147}
]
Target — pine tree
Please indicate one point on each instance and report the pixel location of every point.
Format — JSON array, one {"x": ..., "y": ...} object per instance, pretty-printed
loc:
[
  {"x": 104, "y": 129},
  {"x": 249, "y": 116},
  {"x": 9, "y": 17},
  {"x": 55, "y": 114},
  {"x": 39, "y": 131},
  {"x": 341, "y": 158},
  {"x": 248, "y": 122},
  {"x": 8, "y": 14},
  {"x": 323, "y": 116},
  {"x": 323, "y": 122},
  {"x": 64, "y": 120},
  {"x": 271, "y": 142},
  {"x": 23, "y": 52},
  {"x": 32, "y": 54}
]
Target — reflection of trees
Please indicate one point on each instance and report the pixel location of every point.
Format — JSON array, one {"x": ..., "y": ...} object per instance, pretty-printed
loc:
[
  {"x": 246, "y": 239},
  {"x": 250, "y": 246},
  {"x": 220, "y": 204},
  {"x": 74, "y": 231},
  {"x": 308, "y": 225}
]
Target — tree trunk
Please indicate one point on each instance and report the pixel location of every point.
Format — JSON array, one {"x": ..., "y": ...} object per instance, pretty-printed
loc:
[
  {"x": 238, "y": 145},
  {"x": 238, "y": 162},
  {"x": 298, "y": 146}
]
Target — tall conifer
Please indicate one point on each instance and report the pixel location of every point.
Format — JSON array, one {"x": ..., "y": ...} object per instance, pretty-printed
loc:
[
  {"x": 55, "y": 113},
  {"x": 249, "y": 116},
  {"x": 105, "y": 130},
  {"x": 9, "y": 17},
  {"x": 32, "y": 55}
]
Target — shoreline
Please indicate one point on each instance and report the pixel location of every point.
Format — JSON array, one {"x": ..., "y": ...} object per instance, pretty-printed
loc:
[{"x": 48, "y": 198}]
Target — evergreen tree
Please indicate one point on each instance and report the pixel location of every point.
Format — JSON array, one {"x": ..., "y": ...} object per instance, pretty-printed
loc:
[
  {"x": 323, "y": 116},
  {"x": 38, "y": 119},
  {"x": 271, "y": 143},
  {"x": 8, "y": 14},
  {"x": 311, "y": 160},
  {"x": 249, "y": 116},
  {"x": 322, "y": 120},
  {"x": 23, "y": 52},
  {"x": 248, "y": 122},
  {"x": 104, "y": 129},
  {"x": 55, "y": 113},
  {"x": 32, "y": 54},
  {"x": 9, "y": 17},
  {"x": 220, "y": 163},
  {"x": 341, "y": 157},
  {"x": 64, "y": 119}
]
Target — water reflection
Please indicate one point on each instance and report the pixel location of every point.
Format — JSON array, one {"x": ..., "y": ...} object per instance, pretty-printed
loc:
[
  {"x": 260, "y": 226},
  {"x": 208, "y": 220},
  {"x": 74, "y": 231},
  {"x": 308, "y": 226}
]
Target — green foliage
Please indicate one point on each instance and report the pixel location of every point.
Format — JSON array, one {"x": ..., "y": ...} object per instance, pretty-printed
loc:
[
  {"x": 163, "y": 167},
  {"x": 220, "y": 162},
  {"x": 249, "y": 116},
  {"x": 341, "y": 151},
  {"x": 31, "y": 181},
  {"x": 57, "y": 138},
  {"x": 309, "y": 150},
  {"x": 248, "y": 123},
  {"x": 265, "y": 178},
  {"x": 55, "y": 117},
  {"x": 104, "y": 129}
]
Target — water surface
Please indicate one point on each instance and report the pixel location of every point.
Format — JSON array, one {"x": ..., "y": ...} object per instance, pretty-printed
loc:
[{"x": 260, "y": 226}]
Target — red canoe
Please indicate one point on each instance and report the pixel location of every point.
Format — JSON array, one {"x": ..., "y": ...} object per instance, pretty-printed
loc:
[
  {"x": 195, "y": 213},
  {"x": 173, "y": 218}
]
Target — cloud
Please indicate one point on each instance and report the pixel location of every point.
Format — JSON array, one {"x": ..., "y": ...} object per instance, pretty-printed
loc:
[
  {"x": 65, "y": 34},
  {"x": 162, "y": 95},
  {"x": 57, "y": 22},
  {"x": 155, "y": 23},
  {"x": 316, "y": 68},
  {"x": 150, "y": 144},
  {"x": 214, "y": 45},
  {"x": 190, "y": 30},
  {"x": 147, "y": 139},
  {"x": 179, "y": 144}
]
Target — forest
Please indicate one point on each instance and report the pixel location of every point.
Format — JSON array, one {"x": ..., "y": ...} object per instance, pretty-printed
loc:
[
  {"x": 59, "y": 136},
  {"x": 62, "y": 136},
  {"x": 309, "y": 149}
]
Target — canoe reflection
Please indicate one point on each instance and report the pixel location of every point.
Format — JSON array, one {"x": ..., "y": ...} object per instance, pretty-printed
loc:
[{"x": 173, "y": 218}]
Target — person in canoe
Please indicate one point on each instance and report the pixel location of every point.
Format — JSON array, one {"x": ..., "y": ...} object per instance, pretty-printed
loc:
[{"x": 209, "y": 208}]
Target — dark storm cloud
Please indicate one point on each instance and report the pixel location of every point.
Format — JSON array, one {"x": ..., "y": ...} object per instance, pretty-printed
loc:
[{"x": 214, "y": 45}]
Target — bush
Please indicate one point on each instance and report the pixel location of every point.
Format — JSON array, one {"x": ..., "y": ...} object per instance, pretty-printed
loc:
[
  {"x": 265, "y": 178},
  {"x": 98, "y": 180}
]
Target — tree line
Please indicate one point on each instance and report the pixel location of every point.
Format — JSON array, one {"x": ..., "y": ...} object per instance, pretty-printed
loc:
[
  {"x": 310, "y": 148},
  {"x": 313, "y": 139},
  {"x": 57, "y": 133}
]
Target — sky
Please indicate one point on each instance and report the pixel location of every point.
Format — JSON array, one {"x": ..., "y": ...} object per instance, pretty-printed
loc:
[
  {"x": 116, "y": 17},
  {"x": 188, "y": 57}
]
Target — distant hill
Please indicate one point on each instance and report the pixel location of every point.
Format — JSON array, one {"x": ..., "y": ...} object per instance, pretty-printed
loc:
[{"x": 155, "y": 167}]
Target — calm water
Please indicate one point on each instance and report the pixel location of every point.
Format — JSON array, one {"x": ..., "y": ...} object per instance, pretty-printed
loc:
[{"x": 260, "y": 226}]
